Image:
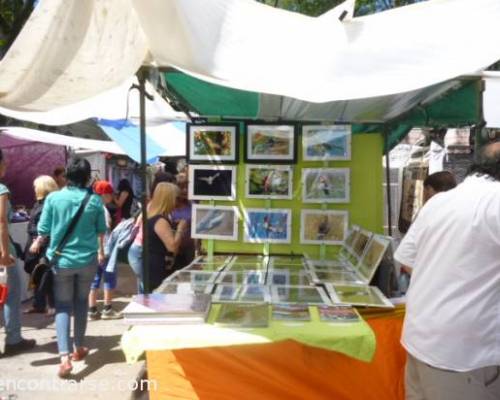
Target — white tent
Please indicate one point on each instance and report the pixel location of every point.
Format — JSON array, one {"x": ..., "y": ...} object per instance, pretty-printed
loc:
[
  {"x": 491, "y": 99},
  {"x": 121, "y": 102},
  {"x": 72, "y": 50}
]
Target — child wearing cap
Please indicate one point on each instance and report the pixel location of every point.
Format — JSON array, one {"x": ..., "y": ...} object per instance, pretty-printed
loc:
[{"x": 105, "y": 190}]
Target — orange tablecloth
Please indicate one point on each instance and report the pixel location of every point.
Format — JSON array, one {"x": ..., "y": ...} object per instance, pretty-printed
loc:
[{"x": 283, "y": 370}]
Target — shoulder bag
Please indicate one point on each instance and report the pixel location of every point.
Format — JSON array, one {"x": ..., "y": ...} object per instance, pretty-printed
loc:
[{"x": 42, "y": 276}]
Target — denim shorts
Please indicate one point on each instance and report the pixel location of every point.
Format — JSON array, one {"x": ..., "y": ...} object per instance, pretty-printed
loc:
[{"x": 109, "y": 279}]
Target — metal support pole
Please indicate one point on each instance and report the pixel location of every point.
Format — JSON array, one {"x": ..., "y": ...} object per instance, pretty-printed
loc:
[
  {"x": 144, "y": 196},
  {"x": 388, "y": 180}
]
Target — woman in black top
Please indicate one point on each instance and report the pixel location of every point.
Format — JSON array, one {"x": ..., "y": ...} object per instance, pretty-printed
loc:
[
  {"x": 43, "y": 185},
  {"x": 163, "y": 242},
  {"x": 124, "y": 200}
]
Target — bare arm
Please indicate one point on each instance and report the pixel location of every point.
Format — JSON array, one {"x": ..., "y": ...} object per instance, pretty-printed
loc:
[
  {"x": 6, "y": 259},
  {"x": 170, "y": 240},
  {"x": 121, "y": 199}
]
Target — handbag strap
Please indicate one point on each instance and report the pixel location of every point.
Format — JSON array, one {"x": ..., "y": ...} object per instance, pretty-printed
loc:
[{"x": 71, "y": 228}]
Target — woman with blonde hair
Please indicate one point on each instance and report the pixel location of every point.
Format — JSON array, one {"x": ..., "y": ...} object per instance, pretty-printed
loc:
[
  {"x": 43, "y": 185},
  {"x": 164, "y": 242}
]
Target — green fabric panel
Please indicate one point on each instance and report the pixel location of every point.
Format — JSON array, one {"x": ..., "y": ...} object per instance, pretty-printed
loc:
[
  {"x": 365, "y": 207},
  {"x": 210, "y": 99},
  {"x": 356, "y": 340},
  {"x": 459, "y": 107}
]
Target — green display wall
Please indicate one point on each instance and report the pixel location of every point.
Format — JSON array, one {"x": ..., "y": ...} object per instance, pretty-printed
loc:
[{"x": 365, "y": 206}]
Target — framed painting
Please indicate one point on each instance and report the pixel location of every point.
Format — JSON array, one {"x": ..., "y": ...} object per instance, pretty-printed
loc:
[
  {"x": 214, "y": 222},
  {"x": 216, "y": 144},
  {"x": 326, "y": 142},
  {"x": 212, "y": 182},
  {"x": 326, "y": 185},
  {"x": 274, "y": 143},
  {"x": 269, "y": 182},
  {"x": 268, "y": 226},
  {"x": 323, "y": 226}
]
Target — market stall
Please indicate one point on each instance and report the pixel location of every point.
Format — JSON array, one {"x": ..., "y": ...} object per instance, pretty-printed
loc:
[{"x": 338, "y": 87}]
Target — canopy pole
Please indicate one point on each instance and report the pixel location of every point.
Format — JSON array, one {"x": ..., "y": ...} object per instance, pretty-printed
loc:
[
  {"x": 388, "y": 180},
  {"x": 144, "y": 197}
]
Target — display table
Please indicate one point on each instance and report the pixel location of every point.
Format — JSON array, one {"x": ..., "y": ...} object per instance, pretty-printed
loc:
[
  {"x": 353, "y": 339},
  {"x": 19, "y": 233},
  {"x": 283, "y": 370}
]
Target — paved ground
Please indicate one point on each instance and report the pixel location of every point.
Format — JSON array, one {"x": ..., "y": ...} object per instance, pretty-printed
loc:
[{"x": 103, "y": 375}]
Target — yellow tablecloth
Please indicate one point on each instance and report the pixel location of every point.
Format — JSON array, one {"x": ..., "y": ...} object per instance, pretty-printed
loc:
[{"x": 356, "y": 340}]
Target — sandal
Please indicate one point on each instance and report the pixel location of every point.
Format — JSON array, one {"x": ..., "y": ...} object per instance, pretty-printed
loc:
[
  {"x": 79, "y": 354},
  {"x": 65, "y": 369}
]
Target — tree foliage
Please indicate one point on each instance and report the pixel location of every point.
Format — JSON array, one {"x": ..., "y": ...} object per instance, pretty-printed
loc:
[
  {"x": 13, "y": 15},
  {"x": 314, "y": 8}
]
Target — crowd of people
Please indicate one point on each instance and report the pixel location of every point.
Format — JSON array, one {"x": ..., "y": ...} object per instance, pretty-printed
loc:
[{"x": 77, "y": 231}]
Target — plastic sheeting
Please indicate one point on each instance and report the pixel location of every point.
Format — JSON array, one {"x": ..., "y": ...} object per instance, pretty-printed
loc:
[
  {"x": 164, "y": 140},
  {"x": 72, "y": 50},
  {"x": 25, "y": 161}
]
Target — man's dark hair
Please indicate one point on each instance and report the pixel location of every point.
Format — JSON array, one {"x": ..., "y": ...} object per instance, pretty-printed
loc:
[
  {"x": 161, "y": 176},
  {"x": 171, "y": 167},
  {"x": 59, "y": 171},
  {"x": 487, "y": 161},
  {"x": 78, "y": 172},
  {"x": 441, "y": 181}
]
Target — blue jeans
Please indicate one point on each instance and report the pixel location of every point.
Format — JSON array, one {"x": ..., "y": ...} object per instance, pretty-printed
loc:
[
  {"x": 135, "y": 261},
  {"x": 71, "y": 292},
  {"x": 12, "y": 308}
]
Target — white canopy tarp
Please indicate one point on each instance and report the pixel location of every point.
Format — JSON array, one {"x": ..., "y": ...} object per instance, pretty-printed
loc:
[
  {"x": 118, "y": 103},
  {"x": 71, "y": 50}
]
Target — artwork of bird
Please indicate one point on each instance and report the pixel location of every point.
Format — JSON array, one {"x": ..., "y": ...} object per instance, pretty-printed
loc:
[
  {"x": 209, "y": 179},
  {"x": 323, "y": 229},
  {"x": 323, "y": 185},
  {"x": 212, "y": 220}
]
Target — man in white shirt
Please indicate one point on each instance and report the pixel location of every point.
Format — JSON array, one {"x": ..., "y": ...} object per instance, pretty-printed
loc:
[{"x": 452, "y": 324}]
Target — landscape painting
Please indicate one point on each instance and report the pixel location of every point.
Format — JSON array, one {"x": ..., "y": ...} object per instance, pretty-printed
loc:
[
  {"x": 273, "y": 143},
  {"x": 326, "y": 142}
]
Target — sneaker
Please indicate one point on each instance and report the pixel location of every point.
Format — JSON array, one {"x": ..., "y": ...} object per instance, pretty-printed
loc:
[
  {"x": 111, "y": 314},
  {"x": 17, "y": 348},
  {"x": 94, "y": 315}
]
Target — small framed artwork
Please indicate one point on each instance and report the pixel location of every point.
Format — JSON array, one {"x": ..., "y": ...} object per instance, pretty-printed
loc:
[
  {"x": 323, "y": 226},
  {"x": 325, "y": 185},
  {"x": 216, "y": 143},
  {"x": 274, "y": 143},
  {"x": 326, "y": 142},
  {"x": 269, "y": 182},
  {"x": 212, "y": 182},
  {"x": 214, "y": 222},
  {"x": 268, "y": 226}
]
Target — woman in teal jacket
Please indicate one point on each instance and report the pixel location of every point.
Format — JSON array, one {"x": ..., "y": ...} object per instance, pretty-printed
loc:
[{"x": 77, "y": 264}]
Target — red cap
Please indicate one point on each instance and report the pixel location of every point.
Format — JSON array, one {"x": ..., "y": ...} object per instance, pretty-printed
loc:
[{"x": 103, "y": 187}]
